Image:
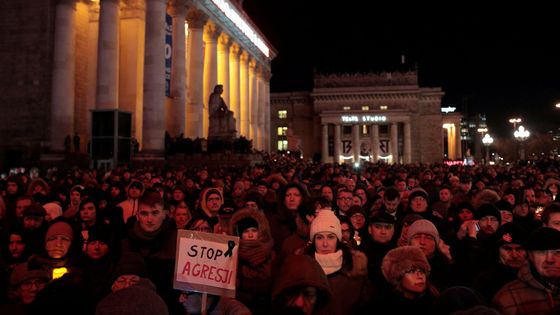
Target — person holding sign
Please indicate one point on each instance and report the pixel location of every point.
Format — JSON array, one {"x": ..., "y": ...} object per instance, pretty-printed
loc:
[{"x": 255, "y": 258}]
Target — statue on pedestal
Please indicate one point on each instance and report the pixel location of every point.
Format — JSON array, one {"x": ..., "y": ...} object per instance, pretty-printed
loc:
[{"x": 222, "y": 122}]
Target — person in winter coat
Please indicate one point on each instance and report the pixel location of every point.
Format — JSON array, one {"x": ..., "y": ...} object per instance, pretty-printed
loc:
[
  {"x": 346, "y": 269},
  {"x": 254, "y": 276},
  {"x": 302, "y": 287},
  {"x": 407, "y": 269},
  {"x": 536, "y": 290}
]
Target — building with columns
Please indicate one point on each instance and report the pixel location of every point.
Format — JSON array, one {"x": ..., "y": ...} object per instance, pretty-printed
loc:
[
  {"x": 372, "y": 117},
  {"x": 158, "y": 60}
]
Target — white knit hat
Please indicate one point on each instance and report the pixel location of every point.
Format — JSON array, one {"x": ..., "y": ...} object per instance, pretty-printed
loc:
[{"x": 325, "y": 221}]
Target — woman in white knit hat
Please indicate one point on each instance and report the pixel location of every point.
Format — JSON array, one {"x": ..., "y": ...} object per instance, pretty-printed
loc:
[{"x": 346, "y": 269}]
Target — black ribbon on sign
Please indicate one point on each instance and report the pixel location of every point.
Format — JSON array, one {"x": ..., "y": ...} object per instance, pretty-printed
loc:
[{"x": 230, "y": 245}]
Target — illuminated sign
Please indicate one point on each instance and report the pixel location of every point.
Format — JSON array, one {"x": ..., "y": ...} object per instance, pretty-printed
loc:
[
  {"x": 448, "y": 110},
  {"x": 363, "y": 118},
  {"x": 238, "y": 20}
]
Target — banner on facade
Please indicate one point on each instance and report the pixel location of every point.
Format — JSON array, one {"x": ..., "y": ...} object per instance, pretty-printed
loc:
[
  {"x": 168, "y": 53},
  {"x": 206, "y": 262}
]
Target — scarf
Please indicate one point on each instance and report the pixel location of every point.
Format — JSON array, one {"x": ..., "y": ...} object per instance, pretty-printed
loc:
[
  {"x": 255, "y": 259},
  {"x": 330, "y": 263}
]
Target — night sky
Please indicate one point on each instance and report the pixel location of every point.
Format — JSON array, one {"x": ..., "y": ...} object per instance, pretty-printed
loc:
[{"x": 504, "y": 62}]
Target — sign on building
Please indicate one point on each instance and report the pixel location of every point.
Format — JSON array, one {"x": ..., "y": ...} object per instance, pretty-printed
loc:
[
  {"x": 168, "y": 53},
  {"x": 206, "y": 263}
]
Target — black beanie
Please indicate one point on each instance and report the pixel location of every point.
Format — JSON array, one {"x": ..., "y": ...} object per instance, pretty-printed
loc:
[
  {"x": 486, "y": 210},
  {"x": 246, "y": 223},
  {"x": 100, "y": 233}
]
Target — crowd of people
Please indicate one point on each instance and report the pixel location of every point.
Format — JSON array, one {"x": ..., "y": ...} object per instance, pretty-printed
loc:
[{"x": 314, "y": 238}]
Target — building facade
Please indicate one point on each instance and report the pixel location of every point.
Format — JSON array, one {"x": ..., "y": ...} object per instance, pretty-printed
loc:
[
  {"x": 158, "y": 60},
  {"x": 372, "y": 117}
]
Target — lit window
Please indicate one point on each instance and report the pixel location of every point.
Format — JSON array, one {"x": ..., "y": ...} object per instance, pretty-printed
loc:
[
  {"x": 365, "y": 107},
  {"x": 282, "y": 131},
  {"x": 282, "y": 114},
  {"x": 383, "y": 107},
  {"x": 346, "y": 108},
  {"x": 365, "y": 129},
  {"x": 282, "y": 145}
]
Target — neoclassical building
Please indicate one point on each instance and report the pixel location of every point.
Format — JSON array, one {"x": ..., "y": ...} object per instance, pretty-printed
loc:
[
  {"x": 372, "y": 117},
  {"x": 158, "y": 60}
]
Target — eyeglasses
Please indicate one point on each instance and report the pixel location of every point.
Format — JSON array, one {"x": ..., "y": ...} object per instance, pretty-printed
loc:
[
  {"x": 345, "y": 198},
  {"x": 39, "y": 283}
]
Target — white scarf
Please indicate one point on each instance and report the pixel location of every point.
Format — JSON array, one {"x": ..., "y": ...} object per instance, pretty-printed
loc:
[{"x": 330, "y": 263}]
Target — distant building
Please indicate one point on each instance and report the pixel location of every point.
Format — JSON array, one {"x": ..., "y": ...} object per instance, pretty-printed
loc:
[
  {"x": 155, "y": 60},
  {"x": 373, "y": 117}
]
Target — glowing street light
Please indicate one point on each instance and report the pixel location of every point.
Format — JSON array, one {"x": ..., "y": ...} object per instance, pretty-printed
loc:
[
  {"x": 514, "y": 121},
  {"x": 521, "y": 134},
  {"x": 487, "y": 141}
]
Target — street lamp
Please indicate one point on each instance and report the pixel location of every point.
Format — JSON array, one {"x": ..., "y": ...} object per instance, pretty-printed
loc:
[
  {"x": 514, "y": 121},
  {"x": 487, "y": 141},
  {"x": 521, "y": 134}
]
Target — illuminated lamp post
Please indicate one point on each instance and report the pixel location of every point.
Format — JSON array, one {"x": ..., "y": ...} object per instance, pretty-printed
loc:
[
  {"x": 521, "y": 134},
  {"x": 514, "y": 122},
  {"x": 487, "y": 141}
]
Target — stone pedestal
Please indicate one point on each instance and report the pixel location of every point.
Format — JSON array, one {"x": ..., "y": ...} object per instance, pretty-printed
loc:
[{"x": 222, "y": 126}]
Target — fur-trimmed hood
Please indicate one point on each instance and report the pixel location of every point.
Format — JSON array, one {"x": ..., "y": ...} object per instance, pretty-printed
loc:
[{"x": 264, "y": 227}]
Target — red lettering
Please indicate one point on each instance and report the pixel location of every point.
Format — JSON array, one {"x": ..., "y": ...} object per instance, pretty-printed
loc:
[
  {"x": 211, "y": 273},
  {"x": 196, "y": 270},
  {"x": 205, "y": 269},
  {"x": 187, "y": 268}
]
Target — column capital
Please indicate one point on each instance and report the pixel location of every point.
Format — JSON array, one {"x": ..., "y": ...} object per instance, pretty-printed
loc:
[
  {"x": 177, "y": 7},
  {"x": 235, "y": 50},
  {"x": 133, "y": 9},
  {"x": 224, "y": 41},
  {"x": 196, "y": 18},
  {"x": 244, "y": 56},
  {"x": 252, "y": 64},
  {"x": 267, "y": 74},
  {"x": 211, "y": 32}
]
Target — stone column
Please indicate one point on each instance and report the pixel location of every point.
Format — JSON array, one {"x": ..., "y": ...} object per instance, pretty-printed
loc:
[
  {"x": 153, "y": 126},
  {"x": 244, "y": 127},
  {"x": 63, "y": 75},
  {"x": 337, "y": 144},
  {"x": 234, "y": 82},
  {"x": 195, "y": 75},
  {"x": 224, "y": 43},
  {"x": 260, "y": 108},
  {"x": 211, "y": 33},
  {"x": 407, "y": 143},
  {"x": 394, "y": 142},
  {"x": 266, "y": 83},
  {"x": 253, "y": 101},
  {"x": 374, "y": 136},
  {"x": 356, "y": 142},
  {"x": 325, "y": 144},
  {"x": 178, "y": 11},
  {"x": 107, "y": 91}
]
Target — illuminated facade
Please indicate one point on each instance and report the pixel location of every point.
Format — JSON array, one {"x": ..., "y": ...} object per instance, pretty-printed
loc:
[
  {"x": 156, "y": 59},
  {"x": 373, "y": 117}
]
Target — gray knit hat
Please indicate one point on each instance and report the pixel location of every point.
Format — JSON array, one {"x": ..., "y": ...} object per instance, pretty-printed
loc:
[{"x": 425, "y": 227}]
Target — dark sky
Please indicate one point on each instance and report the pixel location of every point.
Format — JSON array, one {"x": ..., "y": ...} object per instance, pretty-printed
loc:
[{"x": 502, "y": 61}]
